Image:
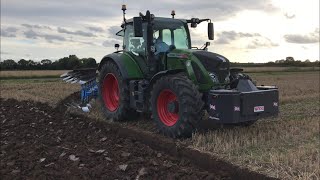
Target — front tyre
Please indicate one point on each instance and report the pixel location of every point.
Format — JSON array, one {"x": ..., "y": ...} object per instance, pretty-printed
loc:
[
  {"x": 113, "y": 93},
  {"x": 176, "y": 106}
]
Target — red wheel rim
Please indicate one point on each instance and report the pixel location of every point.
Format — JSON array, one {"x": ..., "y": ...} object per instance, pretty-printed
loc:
[
  {"x": 165, "y": 98},
  {"x": 110, "y": 92}
]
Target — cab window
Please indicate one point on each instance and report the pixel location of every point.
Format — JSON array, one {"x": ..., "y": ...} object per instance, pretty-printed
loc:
[{"x": 137, "y": 45}]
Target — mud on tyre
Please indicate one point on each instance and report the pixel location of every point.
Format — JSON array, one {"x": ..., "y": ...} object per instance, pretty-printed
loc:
[{"x": 176, "y": 105}]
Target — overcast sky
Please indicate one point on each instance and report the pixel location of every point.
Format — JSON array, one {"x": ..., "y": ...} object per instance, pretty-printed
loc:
[{"x": 245, "y": 30}]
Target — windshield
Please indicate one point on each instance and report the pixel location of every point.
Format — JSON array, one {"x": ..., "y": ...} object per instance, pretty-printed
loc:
[{"x": 171, "y": 33}]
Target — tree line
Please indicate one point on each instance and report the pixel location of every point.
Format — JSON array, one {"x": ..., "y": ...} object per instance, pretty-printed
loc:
[
  {"x": 288, "y": 62},
  {"x": 73, "y": 62},
  {"x": 70, "y": 62}
]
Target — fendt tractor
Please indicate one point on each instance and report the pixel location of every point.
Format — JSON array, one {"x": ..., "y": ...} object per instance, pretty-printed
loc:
[{"x": 158, "y": 72}]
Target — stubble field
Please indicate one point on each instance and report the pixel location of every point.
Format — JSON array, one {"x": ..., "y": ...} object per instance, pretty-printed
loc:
[{"x": 286, "y": 147}]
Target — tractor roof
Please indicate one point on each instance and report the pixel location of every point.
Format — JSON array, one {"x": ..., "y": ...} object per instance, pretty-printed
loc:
[
  {"x": 159, "y": 21},
  {"x": 162, "y": 19}
]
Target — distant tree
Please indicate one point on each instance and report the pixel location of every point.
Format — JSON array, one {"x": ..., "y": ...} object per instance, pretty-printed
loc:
[
  {"x": 23, "y": 64},
  {"x": 8, "y": 65},
  {"x": 289, "y": 59},
  {"x": 62, "y": 63},
  {"x": 88, "y": 63},
  {"x": 73, "y": 62},
  {"x": 70, "y": 62},
  {"x": 46, "y": 62},
  {"x": 31, "y": 63}
]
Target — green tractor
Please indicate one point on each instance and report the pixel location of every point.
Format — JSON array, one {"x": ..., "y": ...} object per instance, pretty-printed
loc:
[{"x": 159, "y": 72}]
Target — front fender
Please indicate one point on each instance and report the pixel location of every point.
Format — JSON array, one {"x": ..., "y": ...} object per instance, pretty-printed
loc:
[
  {"x": 190, "y": 71},
  {"x": 162, "y": 73},
  {"x": 198, "y": 75}
]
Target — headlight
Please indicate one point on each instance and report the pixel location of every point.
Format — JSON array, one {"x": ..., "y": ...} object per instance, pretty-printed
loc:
[{"x": 214, "y": 78}]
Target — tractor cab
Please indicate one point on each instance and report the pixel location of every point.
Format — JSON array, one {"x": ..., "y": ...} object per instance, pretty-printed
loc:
[
  {"x": 149, "y": 40},
  {"x": 170, "y": 34},
  {"x": 167, "y": 34}
]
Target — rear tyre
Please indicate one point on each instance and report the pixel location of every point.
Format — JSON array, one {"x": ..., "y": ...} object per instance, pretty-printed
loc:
[
  {"x": 114, "y": 93},
  {"x": 176, "y": 106}
]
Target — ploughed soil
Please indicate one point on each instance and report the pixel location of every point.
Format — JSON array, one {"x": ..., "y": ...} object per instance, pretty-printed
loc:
[{"x": 39, "y": 142}]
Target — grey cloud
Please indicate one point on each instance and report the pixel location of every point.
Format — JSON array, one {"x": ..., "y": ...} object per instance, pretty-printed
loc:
[
  {"x": 111, "y": 42},
  {"x": 197, "y": 42},
  {"x": 249, "y": 34},
  {"x": 217, "y": 9},
  {"x": 113, "y": 29},
  {"x": 66, "y": 13},
  {"x": 222, "y": 40},
  {"x": 58, "y": 9},
  {"x": 95, "y": 29},
  {"x": 289, "y": 16},
  {"x": 12, "y": 29},
  {"x": 197, "y": 39},
  {"x": 9, "y": 32},
  {"x": 83, "y": 42},
  {"x": 3, "y": 52},
  {"x": 226, "y": 37},
  {"x": 258, "y": 41},
  {"x": 27, "y": 25},
  {"x": 30, "y": 34},
  {"x": 36, "y": 26},
  {"x": 70, "y": 10},
  {"x": 50, "y": 37},
  {"x": 78, "y": 32},
  {"x": 310, "y": 38},
  {"x": 262, "y": 43},
  {"x": 89, "y": 43}
]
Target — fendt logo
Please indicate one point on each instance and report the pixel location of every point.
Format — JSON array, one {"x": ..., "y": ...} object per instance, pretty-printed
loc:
[
  {"x": 258, "y": 109},
  {"x": 213, "y": 107}
]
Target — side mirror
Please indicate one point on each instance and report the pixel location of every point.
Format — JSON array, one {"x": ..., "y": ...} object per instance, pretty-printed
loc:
[
  {"x": 116, "y": 46},
  {"x": 137, "y": 27},
  {"x": 210, "y": 31}
]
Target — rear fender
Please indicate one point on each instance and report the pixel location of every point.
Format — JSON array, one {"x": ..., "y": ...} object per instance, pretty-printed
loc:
[{"x": 128, "y": 67}]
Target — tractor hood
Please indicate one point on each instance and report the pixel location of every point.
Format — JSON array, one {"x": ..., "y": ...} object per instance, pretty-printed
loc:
[{"x": 212, "y": 61}]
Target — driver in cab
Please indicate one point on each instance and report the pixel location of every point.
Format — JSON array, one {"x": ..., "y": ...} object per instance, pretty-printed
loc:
[{"x": 159, "y": 44}]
